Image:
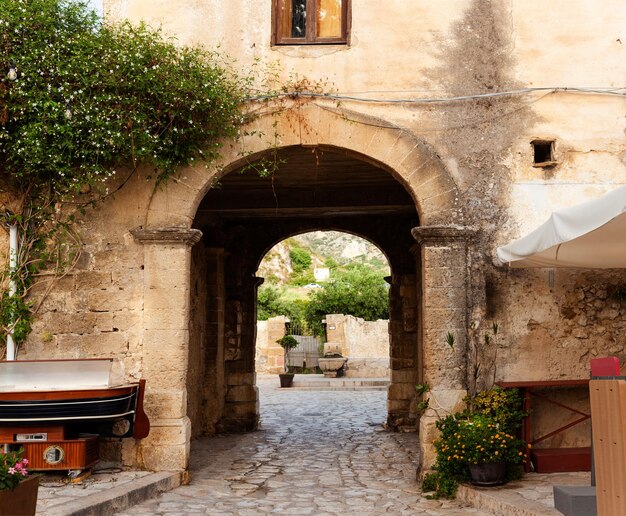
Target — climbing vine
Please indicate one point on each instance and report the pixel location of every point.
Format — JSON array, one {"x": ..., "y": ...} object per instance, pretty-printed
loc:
[{"x": 82, "y": 105}]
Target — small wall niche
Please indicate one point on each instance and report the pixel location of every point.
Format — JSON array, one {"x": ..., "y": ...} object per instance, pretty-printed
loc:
[{"x": 543, "y": 153}]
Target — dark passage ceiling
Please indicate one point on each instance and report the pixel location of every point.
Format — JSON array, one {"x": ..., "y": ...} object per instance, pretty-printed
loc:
[{"x": 310, "y": 182}]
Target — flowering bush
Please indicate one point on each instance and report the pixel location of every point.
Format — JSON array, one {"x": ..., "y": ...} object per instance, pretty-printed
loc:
[
  {"x": 503, "y": 406},
  {"x": 476, "y": 439},
  {"x": 482, "y": 434},
  {"x": 12, "y": 469},
  {"x": 83, "y": 102}
]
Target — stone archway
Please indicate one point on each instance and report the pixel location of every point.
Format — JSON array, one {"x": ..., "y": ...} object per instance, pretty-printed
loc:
[{"x": 435, "y": 295}]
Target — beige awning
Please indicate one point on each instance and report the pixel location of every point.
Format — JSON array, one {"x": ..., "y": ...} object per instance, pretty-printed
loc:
[{"x": 591, "y": 235}]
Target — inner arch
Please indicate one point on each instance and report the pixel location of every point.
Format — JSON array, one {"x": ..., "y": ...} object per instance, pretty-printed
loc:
[{"x": 285, "y": 192}]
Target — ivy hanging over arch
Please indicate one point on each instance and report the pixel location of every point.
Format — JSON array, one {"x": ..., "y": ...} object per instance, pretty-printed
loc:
[{"x": 81, "y": 100}]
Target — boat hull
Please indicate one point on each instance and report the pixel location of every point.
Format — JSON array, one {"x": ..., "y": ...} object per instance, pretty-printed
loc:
[{"x": 52, "y": 407}]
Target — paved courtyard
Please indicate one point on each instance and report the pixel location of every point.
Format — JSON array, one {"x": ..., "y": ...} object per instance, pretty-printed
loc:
[{"x": 316, "y": 453}]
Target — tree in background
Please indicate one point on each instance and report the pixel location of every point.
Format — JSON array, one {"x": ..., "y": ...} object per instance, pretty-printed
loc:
[
  {"x": 356, "y": 290},
  {"x": 272, "y": 302},
  {"x": 300, "y": 259}
]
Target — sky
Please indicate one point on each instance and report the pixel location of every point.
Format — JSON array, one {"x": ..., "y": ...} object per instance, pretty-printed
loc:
[{"x": 96, "y": 5}]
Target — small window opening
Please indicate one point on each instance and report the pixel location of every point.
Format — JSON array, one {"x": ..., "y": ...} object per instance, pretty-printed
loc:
[{"x": 543, "y": 153}]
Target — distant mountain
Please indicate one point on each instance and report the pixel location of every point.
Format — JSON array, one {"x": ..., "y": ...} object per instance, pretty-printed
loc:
[{"x": 325, "y": 247}]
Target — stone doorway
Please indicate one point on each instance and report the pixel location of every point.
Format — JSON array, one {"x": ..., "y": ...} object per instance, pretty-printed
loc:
[
  {"x": 206, "y": 231},
  {"x": 320, "y": 188}
]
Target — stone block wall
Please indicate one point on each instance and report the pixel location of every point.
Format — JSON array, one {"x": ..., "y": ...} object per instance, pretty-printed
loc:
[
  {"x": 270, "y": 358},
  {"x": 365, "y": 343}
]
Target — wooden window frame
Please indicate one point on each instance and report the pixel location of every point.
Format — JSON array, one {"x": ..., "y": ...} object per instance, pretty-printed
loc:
[{"x": 310, "y": 39}]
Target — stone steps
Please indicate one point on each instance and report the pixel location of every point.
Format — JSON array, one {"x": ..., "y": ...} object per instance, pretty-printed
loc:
[{"x": 318, "y": 382}]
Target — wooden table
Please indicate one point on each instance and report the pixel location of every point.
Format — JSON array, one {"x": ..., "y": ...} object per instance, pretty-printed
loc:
[{"x": 551, "y": 460}]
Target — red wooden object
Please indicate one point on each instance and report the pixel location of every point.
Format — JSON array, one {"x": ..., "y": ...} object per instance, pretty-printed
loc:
[
  {"x": 8, "y": 433},
  {"x": 61, "y": 455},
  {"x": 142, "y": 423},
  {"x": 551, "y": 460},
  {"x": 557, "y": 460},
  {"x": 22, "y": 500},
  {"x": 607, "y": 366}
]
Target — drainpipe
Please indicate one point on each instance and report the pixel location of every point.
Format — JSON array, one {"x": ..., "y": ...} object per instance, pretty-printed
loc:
[{"x": 11, "y": 351}]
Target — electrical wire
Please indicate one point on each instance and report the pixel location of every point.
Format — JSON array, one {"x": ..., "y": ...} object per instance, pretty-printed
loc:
[{"x": 621, "y": 92}]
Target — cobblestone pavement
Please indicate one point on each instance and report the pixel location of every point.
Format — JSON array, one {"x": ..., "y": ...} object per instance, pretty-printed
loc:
[{"x": 318, "y": 453}]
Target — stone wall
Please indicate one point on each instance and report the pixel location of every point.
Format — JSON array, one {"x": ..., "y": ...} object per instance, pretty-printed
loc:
[
  {"x": 465, "y": 163},
  {"x": 365, "y": 343},
  {"x": 270, "y": 358}
]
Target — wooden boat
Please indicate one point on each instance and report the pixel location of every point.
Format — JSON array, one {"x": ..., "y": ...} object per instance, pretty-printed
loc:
[{"x": 79, "y": 394}]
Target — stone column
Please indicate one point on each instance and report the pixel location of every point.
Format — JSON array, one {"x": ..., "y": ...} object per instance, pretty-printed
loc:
[
  {"x": 403, "y": 333},
  {"x": 443, "y": 255},
  {"x": 214, "y": 388},
  {"x": 241, "y": 410},
  {"x": 167, "y": 262}
]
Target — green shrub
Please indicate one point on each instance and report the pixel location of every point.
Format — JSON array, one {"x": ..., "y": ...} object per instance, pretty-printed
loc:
[
  {"x": 91, "y": 99},
  {"x": 356, "y": 291},
  {"x": 300, "y": 259},
  {"x": 442, "y": 486},
  {"x": 484, "y": 433}
]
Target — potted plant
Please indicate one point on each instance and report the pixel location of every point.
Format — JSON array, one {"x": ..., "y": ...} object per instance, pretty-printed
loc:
[
  {"x": 478, "y": 444},
  {"x": 288, "y": 342},
  {"x": 17, "y": 487}
]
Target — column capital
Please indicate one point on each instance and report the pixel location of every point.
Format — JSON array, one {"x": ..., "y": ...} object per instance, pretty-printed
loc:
[
  {"x": 442, "y": 235},
  {"x": 169, "y": 235}
]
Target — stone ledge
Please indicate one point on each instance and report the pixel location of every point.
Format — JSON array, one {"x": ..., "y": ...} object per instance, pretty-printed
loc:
[
  {"x": 503, "y": 502},
  {"x": 170, "y": 235},
  {"x": 442, "y": 234},
  {"x": 119, "y": 498}
]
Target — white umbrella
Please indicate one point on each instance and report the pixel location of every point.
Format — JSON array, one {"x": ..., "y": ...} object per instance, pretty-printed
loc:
[{"x": 591, "y": 234}]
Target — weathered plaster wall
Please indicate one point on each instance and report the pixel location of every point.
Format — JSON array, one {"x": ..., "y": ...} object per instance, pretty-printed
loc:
[
  {"x": 466, "y": 162},
  {"x": 359, "y": 338}
]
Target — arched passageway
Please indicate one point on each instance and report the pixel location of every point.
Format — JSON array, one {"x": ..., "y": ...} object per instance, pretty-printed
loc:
[
  {"x": 320, "y": 287},
  {"x": 206, "y": 230},
  {"x": 310, "y": 189}
]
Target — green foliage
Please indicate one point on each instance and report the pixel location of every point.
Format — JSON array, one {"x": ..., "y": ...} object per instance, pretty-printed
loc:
[
  {"x": 269, "y": 303},
  {"x": 422, "y": 388},
  {"x": 133, "y": 95},
  {"x": 12, "y": 469},
  {"x": 450, "y": 339},
  {"x": 474, "y": 439},
  {"x": 287, "y": 342},
  {"x": 299, "y": 279},
  {"x": 331, "y": 263},
  {"x": 442, "y": 486},
  {"x": 300, "y": 259},
  {"x": 356, "y": 291},
  {"x": 502, "y": 406},
  {"x": 15, "y": 314},
  {"x": 484, "y": 433},
  {"x": 91, "y": 98},
  {"x": 272, "y": 302},
  {"x": 422, "y": 405}
]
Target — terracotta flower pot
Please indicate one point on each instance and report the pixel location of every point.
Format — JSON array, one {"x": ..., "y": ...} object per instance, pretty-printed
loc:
[
  {"x": 490, "y": 474},
  {"x": 22, "y": 500}
]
